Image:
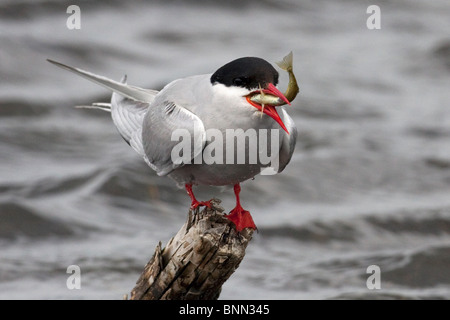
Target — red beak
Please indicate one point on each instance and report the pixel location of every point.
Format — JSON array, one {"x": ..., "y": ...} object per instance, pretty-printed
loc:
[
  {"x": 270, "y": 110},
  {"x": 271, "y": 89}
]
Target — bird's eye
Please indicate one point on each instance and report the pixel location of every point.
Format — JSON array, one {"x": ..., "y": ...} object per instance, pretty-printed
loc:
[{"x": 239, "y": 82}]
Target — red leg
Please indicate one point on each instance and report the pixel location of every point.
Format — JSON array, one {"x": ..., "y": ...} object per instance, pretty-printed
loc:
[
  {"x": 240, "y": 217},
  {"x": 195, "y": 203}
]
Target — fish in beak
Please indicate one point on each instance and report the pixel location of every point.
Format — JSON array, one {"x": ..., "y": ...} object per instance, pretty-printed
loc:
[
  {"x": 269, "y": 109},
  {"x": 267, "y": 99}
]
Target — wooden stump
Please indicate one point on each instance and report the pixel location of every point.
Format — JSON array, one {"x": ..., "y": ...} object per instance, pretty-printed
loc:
[{"x": 197, "y": 260}]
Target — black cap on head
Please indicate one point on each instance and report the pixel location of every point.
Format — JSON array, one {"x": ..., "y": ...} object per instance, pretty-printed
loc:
[{"x": 248, "y": 72}]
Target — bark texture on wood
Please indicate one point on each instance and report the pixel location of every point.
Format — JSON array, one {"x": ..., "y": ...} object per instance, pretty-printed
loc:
[{"x": 196, "y": 261}]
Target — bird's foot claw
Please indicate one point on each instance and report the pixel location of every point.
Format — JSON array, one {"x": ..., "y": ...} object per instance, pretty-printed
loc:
[
  {"x": 241, "y": 219},
  {"x": 195, "y": 204}
]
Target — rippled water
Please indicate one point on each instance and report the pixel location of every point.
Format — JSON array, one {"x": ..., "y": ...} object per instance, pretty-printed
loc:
[{"x": 369, "y": 183}]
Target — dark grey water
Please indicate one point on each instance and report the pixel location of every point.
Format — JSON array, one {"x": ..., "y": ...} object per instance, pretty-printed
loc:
[{"x": 369, "y": 183}]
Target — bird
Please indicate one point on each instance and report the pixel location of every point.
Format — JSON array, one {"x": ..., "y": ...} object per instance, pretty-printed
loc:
[{"x": 203, "y": 106}]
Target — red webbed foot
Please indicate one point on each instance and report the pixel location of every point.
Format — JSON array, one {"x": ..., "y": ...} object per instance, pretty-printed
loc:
[
  {"x": 195, "y": 203},
  {"x": 240, "y": 217}
]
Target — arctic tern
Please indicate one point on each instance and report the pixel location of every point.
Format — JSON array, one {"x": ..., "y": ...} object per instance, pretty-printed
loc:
[{"x": 146, "y": 119}]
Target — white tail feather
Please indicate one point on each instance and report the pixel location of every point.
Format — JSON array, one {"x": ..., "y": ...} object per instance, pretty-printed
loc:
[
  {"x": 121, "y": 88},
  {"x": 97, "y": 105}
]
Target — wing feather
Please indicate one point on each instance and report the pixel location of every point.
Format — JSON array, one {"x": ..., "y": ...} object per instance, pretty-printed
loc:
[
  {"x": 288, "y": 141},
  {"x": 161, "y": 131},
  {"x": 128, "y": 115}
]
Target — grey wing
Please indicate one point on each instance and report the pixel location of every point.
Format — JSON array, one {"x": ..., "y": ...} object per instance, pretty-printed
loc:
[
  {"x": 128, "y": 115},
  {"x": 288, "y": 141},
  {"x": 172, "y": 136}
]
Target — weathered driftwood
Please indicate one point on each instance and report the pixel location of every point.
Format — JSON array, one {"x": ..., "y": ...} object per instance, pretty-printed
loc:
[{"x": 196, "y": 261}]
